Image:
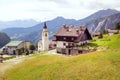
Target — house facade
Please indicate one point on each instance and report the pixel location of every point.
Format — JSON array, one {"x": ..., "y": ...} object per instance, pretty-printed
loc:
[
  {"x": 68, "y": 38},
  {"x": 12, "y": 47}
]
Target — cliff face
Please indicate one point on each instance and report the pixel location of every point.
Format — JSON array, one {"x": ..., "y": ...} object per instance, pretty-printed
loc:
[
  {"x": 103, "y": 23},
  {"x": 4, "y": 39}
]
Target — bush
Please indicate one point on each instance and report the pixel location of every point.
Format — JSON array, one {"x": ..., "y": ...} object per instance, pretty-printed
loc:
[{"x": 32, "y": 48}]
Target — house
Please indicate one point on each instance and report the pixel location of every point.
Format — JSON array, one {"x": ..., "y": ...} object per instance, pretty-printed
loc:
[
  {"x": 96, "y": 34},
  {"x": 13, "y": 46},
  {"x": 67, "y": 38},
  {"x": 43, "y": 45},
  {"x": 52, "y": 44},
  {"x": 111, "y": 32}
]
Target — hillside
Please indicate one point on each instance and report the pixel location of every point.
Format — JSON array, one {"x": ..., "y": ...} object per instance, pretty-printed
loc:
[
  {"x": 97, "y": 15},
  {"x": 4, "y": 39},
  {"x": 103, "y": 64}
]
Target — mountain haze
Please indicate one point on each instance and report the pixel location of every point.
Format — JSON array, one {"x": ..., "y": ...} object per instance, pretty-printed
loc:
[
  {"x": 95, "y": 22},
  {"x": 17, "y": 23}
]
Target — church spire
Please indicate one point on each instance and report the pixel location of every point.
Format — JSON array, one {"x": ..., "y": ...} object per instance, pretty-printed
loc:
[{"x": 45, "y": 26}]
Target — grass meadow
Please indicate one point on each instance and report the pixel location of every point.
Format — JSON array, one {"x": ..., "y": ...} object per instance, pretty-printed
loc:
[{"x": 103, "y": 64}]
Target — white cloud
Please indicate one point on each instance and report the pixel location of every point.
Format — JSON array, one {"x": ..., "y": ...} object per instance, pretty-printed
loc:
[{"x": 49, "y": 9}]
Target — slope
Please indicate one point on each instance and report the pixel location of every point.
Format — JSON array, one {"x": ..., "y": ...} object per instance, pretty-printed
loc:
[
  {"x": 99, "y": 65},
  {"x": 97, "y": 15},
  {"x": 103, "y": 23},
  {"x": 4, "y": 39}
]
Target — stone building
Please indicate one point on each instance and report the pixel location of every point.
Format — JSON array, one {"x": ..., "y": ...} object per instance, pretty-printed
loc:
[{"x": 13, "y": 46}]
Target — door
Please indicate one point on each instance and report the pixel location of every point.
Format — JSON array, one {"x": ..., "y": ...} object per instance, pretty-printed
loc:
[{"x": 14, "y": 52}]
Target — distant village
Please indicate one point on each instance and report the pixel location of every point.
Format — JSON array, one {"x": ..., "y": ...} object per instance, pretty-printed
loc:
[{"x": 69, "y": 40}]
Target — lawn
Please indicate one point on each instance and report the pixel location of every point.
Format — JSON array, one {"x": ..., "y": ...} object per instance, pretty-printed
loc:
[{"x": 104, "y": 64}]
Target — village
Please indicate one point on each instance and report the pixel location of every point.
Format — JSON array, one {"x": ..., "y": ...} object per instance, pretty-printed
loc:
[
  {"x": 59, "y": 39},
  {"x": 69, "y": 40}
]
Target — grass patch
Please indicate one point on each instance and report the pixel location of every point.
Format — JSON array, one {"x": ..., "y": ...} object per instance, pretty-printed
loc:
[
  {"x": 9, "y": 57},
  {"x": 99, "y": 65}
]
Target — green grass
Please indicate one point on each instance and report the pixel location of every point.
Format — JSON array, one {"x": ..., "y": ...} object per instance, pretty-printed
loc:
[
  {"x": 9, "y": 57},
  {"x": 99, "y": 65}
]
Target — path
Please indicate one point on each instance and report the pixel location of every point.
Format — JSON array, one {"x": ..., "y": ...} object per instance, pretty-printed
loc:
[{"x": 8, "y": 64}]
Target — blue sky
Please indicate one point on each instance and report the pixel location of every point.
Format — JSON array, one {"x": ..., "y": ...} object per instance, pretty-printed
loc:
[{"x": 42, "y": 10}]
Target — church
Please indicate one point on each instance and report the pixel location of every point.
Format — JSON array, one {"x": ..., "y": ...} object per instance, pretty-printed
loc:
[{"x": 43, "y": 45}]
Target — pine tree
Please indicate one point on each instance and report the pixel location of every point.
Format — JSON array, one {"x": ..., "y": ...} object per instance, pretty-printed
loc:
[{"x": 117, "y": 26}]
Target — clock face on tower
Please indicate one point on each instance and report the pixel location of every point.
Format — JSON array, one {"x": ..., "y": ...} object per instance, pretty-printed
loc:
[{"x": 45, "y": 34}]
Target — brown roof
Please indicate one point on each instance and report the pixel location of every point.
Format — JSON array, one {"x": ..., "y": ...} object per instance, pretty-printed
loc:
[
  {"x": 72, "y": 34},
  {"x": 70, "y": 31},
  {"x": 96, "y": 34}
]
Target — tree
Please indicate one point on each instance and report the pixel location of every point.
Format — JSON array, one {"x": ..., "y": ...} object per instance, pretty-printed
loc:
[
  {"x": 18, "y": 51},
  {"x": 100, "y": 36},
  {"x": 105, "y": 31},
  {"x": 1, "y": 57},
  {"x": 117, "y": 26},
  {"x": 32, "y": 47},
  {"x": 26, "y": 51}
]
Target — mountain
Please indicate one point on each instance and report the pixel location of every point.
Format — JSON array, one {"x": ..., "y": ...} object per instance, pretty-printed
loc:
[
  {"x": 17, "y": 23},
  {"x": 92, "y": 22},
  {"x": 4, "y": 39},
  {"x": 53, "y": 27},
  {"x": 103, "y": 23},
  {"x": 17, "y": 28},
  {"x": 97, "y": 15}
]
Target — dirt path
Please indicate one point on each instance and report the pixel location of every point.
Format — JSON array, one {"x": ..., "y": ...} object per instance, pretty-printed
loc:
[{"x": 8, "y": 64}]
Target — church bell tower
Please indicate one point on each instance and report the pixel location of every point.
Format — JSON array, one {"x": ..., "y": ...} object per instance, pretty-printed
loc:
[{"x": 45, "y": 38}]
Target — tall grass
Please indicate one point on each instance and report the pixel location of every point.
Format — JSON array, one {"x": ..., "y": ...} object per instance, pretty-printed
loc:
[{"x": 99, "y": 65}]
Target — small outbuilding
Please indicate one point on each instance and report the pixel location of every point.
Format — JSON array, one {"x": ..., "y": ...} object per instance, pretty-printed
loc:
[
  {"x": 111, "y": 32},
  {"x": 13, "y": 47}
]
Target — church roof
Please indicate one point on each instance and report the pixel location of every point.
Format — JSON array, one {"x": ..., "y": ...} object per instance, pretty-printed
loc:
[{"x": 45, "y": 26}]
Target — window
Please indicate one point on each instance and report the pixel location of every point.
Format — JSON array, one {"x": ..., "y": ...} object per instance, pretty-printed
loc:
[
  {"x": 64, "y": 38},
  {"x": 45, "y": 34},
  {"x": 64, "y": 44},
  {"x": 72, "y": 39}
]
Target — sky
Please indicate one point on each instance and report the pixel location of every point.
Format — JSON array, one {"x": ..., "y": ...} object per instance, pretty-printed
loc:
[{"x": 42, "y": 10}]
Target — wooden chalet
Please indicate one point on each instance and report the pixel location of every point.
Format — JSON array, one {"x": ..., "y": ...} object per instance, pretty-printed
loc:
[{"x": 68, "y": 38}]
